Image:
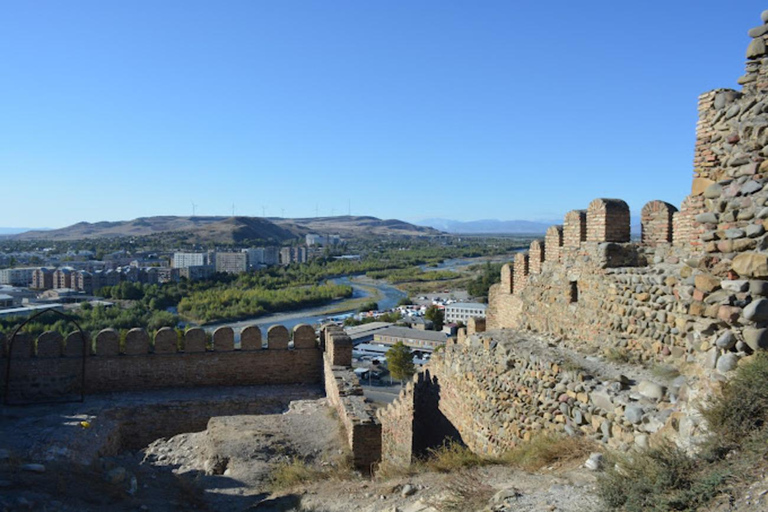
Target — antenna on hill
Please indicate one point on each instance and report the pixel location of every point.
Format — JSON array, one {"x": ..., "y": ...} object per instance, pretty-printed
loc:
[
  {"x": 282, "y": 212},
  {"x": 263, "y": 211},
  {"x": 233, "y": 209},
  {"x": 333, "y": 212},
  {"x": 194, "y": 208},
  {"x": 317, "y": 210},
  {"x": 349, "y": 207}
]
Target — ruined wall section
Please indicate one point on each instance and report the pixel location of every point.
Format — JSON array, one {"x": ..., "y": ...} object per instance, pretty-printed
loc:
[
  {"x": 497, "y": 390},
  {"x": 342, "y": 387}
]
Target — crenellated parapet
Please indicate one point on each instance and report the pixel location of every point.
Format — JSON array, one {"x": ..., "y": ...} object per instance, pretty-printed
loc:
[{"x": 54, "y": 366}]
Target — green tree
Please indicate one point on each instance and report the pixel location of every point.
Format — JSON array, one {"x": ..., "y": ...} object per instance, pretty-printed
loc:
[
  {"x": 400, "y": 361},
  {"x": 405, "y": 301},
  {"x": 436, "y": 315},
  {"x": 369, "y": 306}
]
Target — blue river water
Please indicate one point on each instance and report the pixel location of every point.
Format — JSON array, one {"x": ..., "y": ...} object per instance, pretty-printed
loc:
[{"x": 314, "y": 315}]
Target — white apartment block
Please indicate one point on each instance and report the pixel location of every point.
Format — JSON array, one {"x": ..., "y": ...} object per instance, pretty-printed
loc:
[{"x": 463, "y": 311}]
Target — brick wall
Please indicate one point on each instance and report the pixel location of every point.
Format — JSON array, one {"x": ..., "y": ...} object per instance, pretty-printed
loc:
[
  {"x": 656, "y": 223},
  {"x": 52, "y": 367},
  {"x": 536, "y": 256},
  {"x": 575, "y": 228},
  {"x": 363, "y": 429},
  {"x": 554, "y": 243},
  {"x": 608, "y": 221},
  {"x": 520, "y": 275}
]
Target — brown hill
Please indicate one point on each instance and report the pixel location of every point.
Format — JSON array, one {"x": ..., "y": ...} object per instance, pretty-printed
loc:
[{"x": 231, "y": 229}]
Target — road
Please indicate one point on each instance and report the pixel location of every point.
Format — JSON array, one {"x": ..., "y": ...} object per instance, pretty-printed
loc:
[{"x": 381, "y": 394}]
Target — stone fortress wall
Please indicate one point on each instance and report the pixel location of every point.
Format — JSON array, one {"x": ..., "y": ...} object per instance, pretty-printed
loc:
[
  {"x": 52, "y": 368},
  {"x": 692, "y": 295}
]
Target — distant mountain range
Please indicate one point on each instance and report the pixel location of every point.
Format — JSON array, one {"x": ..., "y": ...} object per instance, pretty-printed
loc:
[
  {"x": 12, "y": 231},
  {"x": 493, "y": 226},
  {"x": 490, "y": 226},
  {"x": 230, "y": 229}
]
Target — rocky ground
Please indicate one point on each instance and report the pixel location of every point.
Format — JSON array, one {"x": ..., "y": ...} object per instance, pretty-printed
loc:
[{"x": 230, "y": 465}]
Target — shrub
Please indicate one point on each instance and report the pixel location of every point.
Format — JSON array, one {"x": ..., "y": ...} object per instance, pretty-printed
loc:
[
  {"x": 666, "y": 478},
  {"x": 659, "y": 479},
  {"x": 742, "y": 409},
  {"x": 548, "y": 449},
  {"x": 452, "y": 456}
]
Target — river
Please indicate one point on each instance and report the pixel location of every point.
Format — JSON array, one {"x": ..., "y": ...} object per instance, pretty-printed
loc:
[{"x": 389, "y": 297}]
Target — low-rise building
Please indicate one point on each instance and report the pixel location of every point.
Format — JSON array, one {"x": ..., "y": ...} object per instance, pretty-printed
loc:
[
  {"x": 413, "y": 338},
  {"x": 463, "y": 311},
  {"x": 364, "y": 333}
]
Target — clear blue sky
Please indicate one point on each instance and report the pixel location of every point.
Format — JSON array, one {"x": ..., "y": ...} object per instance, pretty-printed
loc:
[{"x": 455, "y": 109}]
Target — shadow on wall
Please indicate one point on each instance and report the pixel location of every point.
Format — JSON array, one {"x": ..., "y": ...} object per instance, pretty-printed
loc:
[{"x": 431, "y": 428}]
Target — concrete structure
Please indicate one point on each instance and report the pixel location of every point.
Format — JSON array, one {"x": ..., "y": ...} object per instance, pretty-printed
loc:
[
  {"x": 263, "y": 256},
  {"x": 413, "y": 338},
  {"x": 231, "y": 262},
  {"x": 195, "y": 272},
  {"x": 290, "y": 255},
  {"x": 463, "y": 311},
  {"x": 17, "y": 276},
  {"x": 62, "y": 277},
  {"x": 42, "y": 278},
  {"x": 191, "y": 259},
  {"x": 364, "y": 333},
  {"x": 314, "y": 239}
]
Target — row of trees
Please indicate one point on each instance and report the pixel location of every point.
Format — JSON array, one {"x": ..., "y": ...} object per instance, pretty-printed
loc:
[{"x": 233, "y": 303}]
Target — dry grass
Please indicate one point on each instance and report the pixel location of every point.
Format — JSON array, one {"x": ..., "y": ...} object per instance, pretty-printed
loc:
[
  {"x": 297, "y": 471},
  {"x": 548, "y": 450},
  {"x": 467, "y": 493},
  {"x": 665, "y": 372},
  {"x": 617, "y": 355},
  {"x": 666, "y": 478},
  {"x": 452, "y": 456}
]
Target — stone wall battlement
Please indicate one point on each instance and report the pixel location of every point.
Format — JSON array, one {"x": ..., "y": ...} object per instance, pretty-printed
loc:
[{"x": 135, "y": 342}]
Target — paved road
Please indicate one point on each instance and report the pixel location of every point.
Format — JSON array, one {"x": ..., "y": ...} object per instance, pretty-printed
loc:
[{"x": 381, "y": 394}]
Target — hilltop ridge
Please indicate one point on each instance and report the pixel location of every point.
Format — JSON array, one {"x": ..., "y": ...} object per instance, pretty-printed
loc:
[{"x": 231, "y": 229}]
